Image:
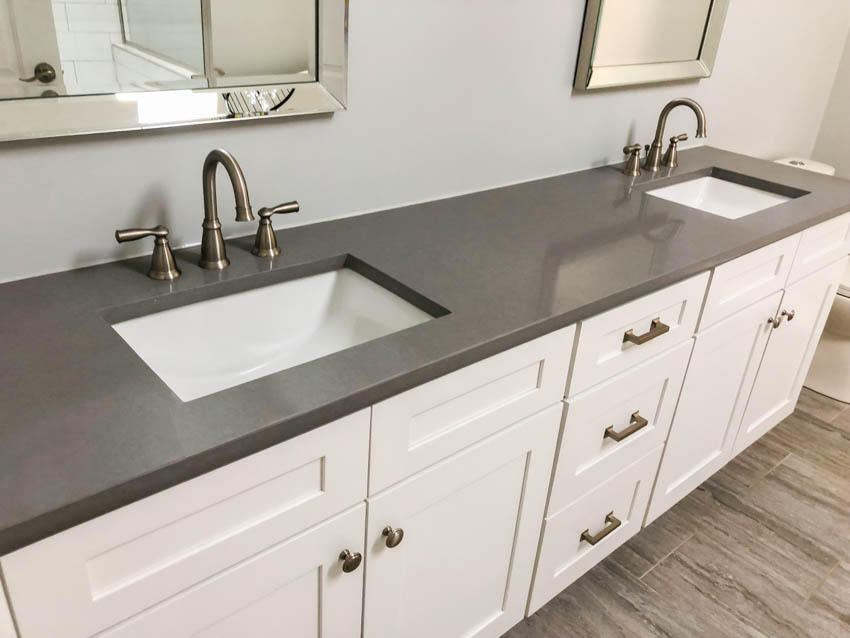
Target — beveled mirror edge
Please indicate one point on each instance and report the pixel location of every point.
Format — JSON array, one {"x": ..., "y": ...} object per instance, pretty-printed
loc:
[
  {"x": 54, "y": 117},
  {"x": 588, "y": 77}
]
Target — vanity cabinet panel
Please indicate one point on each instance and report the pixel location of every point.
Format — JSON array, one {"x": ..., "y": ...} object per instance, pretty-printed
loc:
[
  {"x": 471, "y": 527},
  {"x": 636, "y": 331},
  {"x": 740, "y": 282},
  {"x": 111, "y": 568},
  {"x": 577, "y": 538},
  {"x": 789, "y": 352},
  {"x": 721, "y": 373},
  {"x": 417, "y": 428},
  {"x": 616, "y": 423},
  {"x": 7, "y": 627},
  {"x": 295, "y": 589},
  {"x": 821, "y": 245}
]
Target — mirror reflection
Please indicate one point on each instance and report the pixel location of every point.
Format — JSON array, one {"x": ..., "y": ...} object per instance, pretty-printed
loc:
[{"x": 89, "y": 47}]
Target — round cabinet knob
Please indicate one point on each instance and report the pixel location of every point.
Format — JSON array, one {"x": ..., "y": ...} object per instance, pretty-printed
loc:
[
  {"x": 394, "y": 536},
  {"x": 350, "y": 562}
]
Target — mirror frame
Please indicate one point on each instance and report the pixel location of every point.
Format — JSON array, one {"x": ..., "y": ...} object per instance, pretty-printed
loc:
[
  {"x": 589, "y": 77},
  {"x": 44, "y": 117}
]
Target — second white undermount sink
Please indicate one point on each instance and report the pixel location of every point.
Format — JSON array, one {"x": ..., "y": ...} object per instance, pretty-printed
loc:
[
  {"x": 211, "y": 345},
  {"x": 722, "y": 197}
]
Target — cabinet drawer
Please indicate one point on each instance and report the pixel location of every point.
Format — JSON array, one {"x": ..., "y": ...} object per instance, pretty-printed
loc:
[
  {"x": 566, "y": 551},
  {"x": 295, "y": 588},
  {"x": 743, "y": 281},
  {"x": 604, "y": 348},
  {"x": 646, "y": 394},
  {"x": 417, "y": 428},
  {"x": 821, "y": 245},
  {"x": 113, "y": 567}
]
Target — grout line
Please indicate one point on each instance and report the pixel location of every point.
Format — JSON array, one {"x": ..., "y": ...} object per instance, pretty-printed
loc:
[
  {"x": 766, "y": 474},
  {"x": 823, "y": 580},
  {"x": 666, "y": 556}
]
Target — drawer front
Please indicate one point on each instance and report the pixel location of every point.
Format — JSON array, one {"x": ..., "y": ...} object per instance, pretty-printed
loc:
[
  {"x": 744, "y": 281},
  {"x": 658, "y": 320},
  {"x": 419, "y": 427},
  {"x": 821, "y": 245},
  {"x": 636, "y": 405},
  {"x": 108, "y": 569},
  {"x": 566, "y": 550},
  {"x": 295, "y": 588}
]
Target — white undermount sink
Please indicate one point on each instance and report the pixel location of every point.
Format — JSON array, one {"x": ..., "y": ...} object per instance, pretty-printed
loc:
[
  {"x": 211, "y": 345},
  {"x": 720, "y": 197}
]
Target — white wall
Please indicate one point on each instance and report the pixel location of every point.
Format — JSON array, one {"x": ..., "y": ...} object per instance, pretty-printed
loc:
[
  {"x": 833, "y": 143},
  {"x": 445, "y": 97}
]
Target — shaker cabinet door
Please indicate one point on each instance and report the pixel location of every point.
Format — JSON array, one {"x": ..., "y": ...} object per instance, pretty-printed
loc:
[
  {"x": 803, "y": 313},
  {"x": 721, "y": 373},
  {"x": 296, "y": 589},
  {"x": 451, "y": 550}
]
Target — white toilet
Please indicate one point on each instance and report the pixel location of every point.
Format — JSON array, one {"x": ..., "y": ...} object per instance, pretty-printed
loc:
[{"x": 830, "y": 371}]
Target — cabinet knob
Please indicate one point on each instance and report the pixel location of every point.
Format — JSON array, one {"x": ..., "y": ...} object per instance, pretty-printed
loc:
[
  {"x": 350, "y": 562},
  {"x": 789, "y": 314},
  {"x": 394, "y": 536},
  {"x": 775, "y": 322}
]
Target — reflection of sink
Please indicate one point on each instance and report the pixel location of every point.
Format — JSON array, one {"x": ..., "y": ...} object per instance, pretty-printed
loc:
[
  {"x": 208, "y": 346},
  {"x": 725, "y": 197}
]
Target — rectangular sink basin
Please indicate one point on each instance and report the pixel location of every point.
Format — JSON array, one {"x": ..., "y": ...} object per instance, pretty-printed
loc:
[
  {"x": 208, "y": 346},
  {"x": 725, "y": 195}
]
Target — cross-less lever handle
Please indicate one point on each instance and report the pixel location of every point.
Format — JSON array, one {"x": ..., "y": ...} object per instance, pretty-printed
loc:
[
  {"x": 632, "y": 167},
  {"x": 671, "y": 157},
  {"x": 163, "y": 266},
  {"x": 265, "y": 243}
]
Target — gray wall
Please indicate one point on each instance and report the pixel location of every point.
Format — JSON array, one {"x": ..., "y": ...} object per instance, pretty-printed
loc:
[
  {"x": 446, "y": 97},
  {"x": 833, "y": 142}
]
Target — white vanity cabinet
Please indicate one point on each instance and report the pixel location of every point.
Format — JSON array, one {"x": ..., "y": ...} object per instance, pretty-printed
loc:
[
  {"x": 217, "y": 546},
  {"x": 800, "y": 322},
  {"x": 721, "y": 373},
  {"x": 471, "y": 525}
]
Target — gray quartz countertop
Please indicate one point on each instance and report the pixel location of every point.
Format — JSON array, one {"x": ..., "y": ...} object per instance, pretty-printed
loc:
[{"x": 86, "y": 427}]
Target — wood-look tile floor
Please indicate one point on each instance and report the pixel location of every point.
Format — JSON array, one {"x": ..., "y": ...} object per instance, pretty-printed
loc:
[{"x": 762, "y": 549}]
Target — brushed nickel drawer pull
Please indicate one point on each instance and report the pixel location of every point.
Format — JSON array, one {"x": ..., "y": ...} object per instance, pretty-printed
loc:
[
  {"x": 636, "y": 424},
  {"x": 657, "y": 329},
  {"x": 789, "y": 314},
  {"x": 776, "y": 321},
  {"x": 611, "y": 523}
]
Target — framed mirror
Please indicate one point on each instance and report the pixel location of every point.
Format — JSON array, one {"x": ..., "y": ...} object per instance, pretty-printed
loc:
[
  {"x": 71, "y": 67},
  {"x": 625, "y": 42}
]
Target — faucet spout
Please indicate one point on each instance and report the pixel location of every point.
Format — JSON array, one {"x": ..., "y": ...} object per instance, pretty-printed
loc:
[
  {"x": 213, "y": 252},
  {"x": 653, "y": 158}
]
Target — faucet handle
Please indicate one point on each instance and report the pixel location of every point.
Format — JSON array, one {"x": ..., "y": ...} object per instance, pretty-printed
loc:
[
  {"x": 632, "y": 167},
  {"x": 265, "y": 243},
  {"x": 163, "y": 265},
  {"x": 671, "y": 157}
]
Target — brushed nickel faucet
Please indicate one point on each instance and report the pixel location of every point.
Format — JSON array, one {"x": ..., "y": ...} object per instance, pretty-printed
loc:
[
  {"x": 213, "y": 251},
  {"x": 653, "y": 156}
]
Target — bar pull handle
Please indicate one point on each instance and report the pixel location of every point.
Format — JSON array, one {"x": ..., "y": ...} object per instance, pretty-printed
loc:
[
  {"x": 636, "y": 424},
  {"x": 611, "y": 523},
  {"x": 656, "y": 329}
]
